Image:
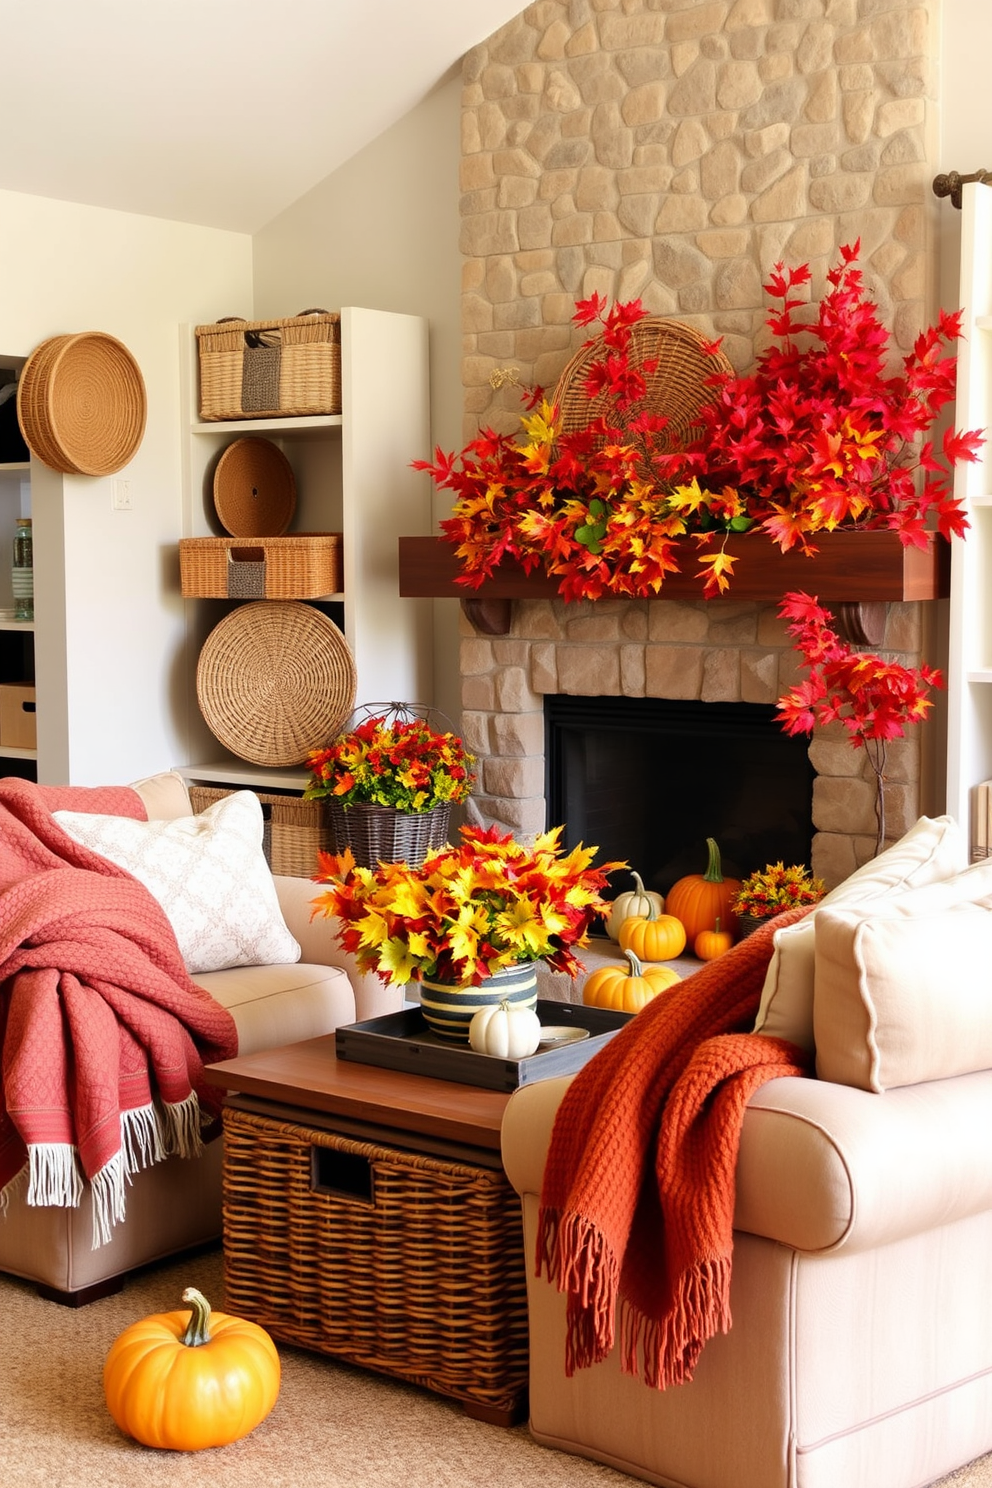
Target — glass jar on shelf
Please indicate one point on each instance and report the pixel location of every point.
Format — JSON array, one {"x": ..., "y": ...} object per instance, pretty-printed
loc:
[{"x": 22, "y": 571}]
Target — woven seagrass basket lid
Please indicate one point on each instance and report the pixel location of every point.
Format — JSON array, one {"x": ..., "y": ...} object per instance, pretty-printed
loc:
[
  {"x": 81, "y": 403},
  {"x": 677, "y": 387},
  {"x": 275, "y": 679},
  {"x": 254, "y": 489}
]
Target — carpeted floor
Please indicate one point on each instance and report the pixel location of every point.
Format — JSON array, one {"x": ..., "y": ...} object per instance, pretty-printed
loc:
[{"x": 333, "y": 1426}]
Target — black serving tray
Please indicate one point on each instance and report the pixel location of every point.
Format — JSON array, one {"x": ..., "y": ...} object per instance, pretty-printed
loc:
[{"x": 403, "y": 1041}]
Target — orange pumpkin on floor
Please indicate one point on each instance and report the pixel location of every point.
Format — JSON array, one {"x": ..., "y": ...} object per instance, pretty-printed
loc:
[
  {"x": 700, "y": 899},
  {"x": 190, "y": 1380}
]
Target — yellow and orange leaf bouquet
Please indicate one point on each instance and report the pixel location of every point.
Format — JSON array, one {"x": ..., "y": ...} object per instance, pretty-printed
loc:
[{"x": 468, "y": 910}]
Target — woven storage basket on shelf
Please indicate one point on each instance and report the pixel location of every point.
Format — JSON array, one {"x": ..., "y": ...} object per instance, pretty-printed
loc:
[
  {"x": 294, "y": 831},
  {"x": 254, "y": 489},
  {"x": 270, "y": 368},
  {"x": 380, "y": 834},
  {"x": 302, "y": 565},
  {"x": 275, "y": 680},
  {"x": 81, "y": 403},
  {"x": 677, "y": 388},
  {"x": 400, "y": 1262}
]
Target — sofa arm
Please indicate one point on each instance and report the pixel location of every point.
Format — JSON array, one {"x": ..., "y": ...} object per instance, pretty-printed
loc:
[
  {"x": 319, "y": 947},
  {"x": 824, "y": 1166}
]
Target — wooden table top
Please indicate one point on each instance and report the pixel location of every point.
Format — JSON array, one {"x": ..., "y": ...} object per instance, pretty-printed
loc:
[{"x": 310, "y": 1076}]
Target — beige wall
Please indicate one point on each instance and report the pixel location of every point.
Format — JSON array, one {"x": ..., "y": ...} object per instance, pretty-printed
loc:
[
  {"x": 383, "y": 232},
  {"x": 121, "y": 643}
]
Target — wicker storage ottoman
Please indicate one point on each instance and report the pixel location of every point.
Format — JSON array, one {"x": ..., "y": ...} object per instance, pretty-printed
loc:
[
  {"x": 294, "y": 831},
  {"x": 399, "y": 1261}
]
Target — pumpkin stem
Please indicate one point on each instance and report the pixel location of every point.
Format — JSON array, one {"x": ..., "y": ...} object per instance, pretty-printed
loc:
[
  {"x": 198, "y": 1327},
  {"x": 714, "y": 868},
  {"x": 636, "y": 967}
]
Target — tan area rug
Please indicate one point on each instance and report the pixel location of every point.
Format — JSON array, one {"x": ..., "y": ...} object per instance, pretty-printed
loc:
[{"x": 332, "y": 1427}]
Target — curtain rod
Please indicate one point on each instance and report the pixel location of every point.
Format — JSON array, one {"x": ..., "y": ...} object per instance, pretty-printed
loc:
[{"x": 950, "y": 184}]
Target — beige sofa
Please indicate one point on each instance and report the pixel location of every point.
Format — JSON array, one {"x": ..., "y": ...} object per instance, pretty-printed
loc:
[
  {"x": 860, "y": 1354},
  {"x": 176, "y": 1205}
]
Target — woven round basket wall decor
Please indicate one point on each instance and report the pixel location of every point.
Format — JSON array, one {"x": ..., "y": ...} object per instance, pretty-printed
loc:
[
  {"x": 677, "y": 388},
  {"x": 275, "y": 679},
  {"x": 81, "y": 404},
  {"x": 254, "y": 489}
]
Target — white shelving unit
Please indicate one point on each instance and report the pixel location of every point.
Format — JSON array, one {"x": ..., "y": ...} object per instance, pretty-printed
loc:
[
  {"x": 353, "y": 476},
  {"x": 969, "y": 681},
  {"x": 15, "y": 501}
]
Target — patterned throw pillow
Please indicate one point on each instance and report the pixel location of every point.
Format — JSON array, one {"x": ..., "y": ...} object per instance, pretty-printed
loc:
[{"x": 208, "y": 873}]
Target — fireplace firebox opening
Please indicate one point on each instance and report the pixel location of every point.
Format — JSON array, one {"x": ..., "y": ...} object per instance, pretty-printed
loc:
[{"x": 647, "y": 780}]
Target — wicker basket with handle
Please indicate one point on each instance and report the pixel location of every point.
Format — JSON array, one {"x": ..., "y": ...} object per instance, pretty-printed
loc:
[{"x": 270, "y": 368}]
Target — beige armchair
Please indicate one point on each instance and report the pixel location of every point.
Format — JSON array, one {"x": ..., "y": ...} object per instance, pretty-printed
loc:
[
  {"x": 860, "y": 1352},
  {"x": 861, "y": 1347},
  {"x": 176, "y": 1205}
]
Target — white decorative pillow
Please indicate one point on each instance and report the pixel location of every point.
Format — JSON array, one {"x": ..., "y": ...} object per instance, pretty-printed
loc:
[
  {"x": 934, "y": 849},
  {"x": 901, "y": 991},
  {"x": 209, "y": 874}
]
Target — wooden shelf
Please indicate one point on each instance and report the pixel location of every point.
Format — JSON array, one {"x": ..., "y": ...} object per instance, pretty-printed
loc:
[{"x": 849, "y": 567}]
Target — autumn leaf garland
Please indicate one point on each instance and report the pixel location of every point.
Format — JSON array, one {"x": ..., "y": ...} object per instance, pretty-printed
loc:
[{"x": 818, "y": 436}]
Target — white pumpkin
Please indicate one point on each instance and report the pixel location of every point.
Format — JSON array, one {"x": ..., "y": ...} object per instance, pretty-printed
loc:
[
  {"x": 637, "y": 903},
  {"x": 505, "y": 1030}
]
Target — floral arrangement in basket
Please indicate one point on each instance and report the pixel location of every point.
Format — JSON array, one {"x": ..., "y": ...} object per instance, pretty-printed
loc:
[
  {"x": 393, "y": 761},
  {"x": 770, "y": 890},
  {"x": 468, "y": 910},
  {"x": 872, "y": 699},
  {"x": 818, "y": 436}
]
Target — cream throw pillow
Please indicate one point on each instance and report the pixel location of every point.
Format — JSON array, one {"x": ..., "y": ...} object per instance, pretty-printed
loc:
[
  {"x": 209, "y": 874},
  {"x": 902, "y": 990},
  {"x": 935, "y": 848}
]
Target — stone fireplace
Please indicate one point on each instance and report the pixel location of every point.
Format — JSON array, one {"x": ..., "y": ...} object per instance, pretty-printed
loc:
[
  {"x": 718, "y": 651},
  {"x": 674, "y": 152}
]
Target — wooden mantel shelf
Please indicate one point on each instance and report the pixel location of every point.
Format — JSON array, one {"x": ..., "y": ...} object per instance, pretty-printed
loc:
[{"x": 851, "y": 568}]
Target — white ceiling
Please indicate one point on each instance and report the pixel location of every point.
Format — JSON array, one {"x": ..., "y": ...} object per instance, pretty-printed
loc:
[{"x": 220, "y": 112}]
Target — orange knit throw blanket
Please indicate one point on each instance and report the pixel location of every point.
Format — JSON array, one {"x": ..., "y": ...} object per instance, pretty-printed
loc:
[{"x": 637, "y": 1206}]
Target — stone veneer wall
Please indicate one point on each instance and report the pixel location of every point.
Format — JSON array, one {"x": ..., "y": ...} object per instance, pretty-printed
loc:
[{"x": 674, "y": 150}]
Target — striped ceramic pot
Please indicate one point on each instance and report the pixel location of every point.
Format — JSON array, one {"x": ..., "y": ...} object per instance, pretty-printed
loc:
[{"x": 448, "y": 1009}]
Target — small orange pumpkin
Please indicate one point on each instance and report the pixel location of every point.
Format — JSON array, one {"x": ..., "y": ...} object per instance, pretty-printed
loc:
[
  {"x": 627, "y": 989},
  {"x": 712, "y": 943},
  {"x": 653, "y": 936},
  {"x": 700, "y": 898}
]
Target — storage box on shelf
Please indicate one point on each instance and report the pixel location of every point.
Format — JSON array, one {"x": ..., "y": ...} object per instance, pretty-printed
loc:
[
  {"x": 269, "y": 368},
  {"x": 303, "y": 565},
  {"x": 18, "y": 729}
]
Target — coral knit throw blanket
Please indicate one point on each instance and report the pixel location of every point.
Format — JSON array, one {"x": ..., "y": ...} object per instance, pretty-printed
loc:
[
  {"x": 104, "y": 1035},
  {"x": 637, "y": 1207}
]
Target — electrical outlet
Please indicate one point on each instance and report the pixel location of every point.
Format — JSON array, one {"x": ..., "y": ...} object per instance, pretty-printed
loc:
[{"x": 120, "y": 498}]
